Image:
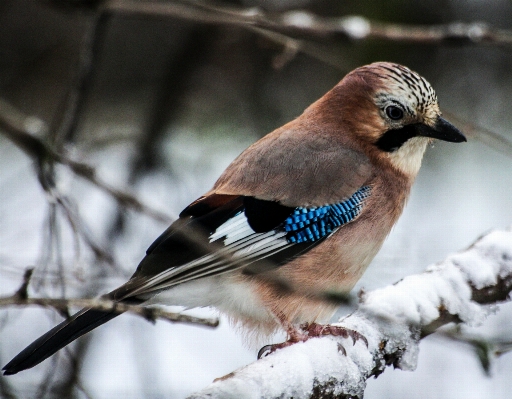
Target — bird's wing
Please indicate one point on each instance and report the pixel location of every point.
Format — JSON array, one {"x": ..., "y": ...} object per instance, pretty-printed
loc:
[
  {"x": 298, "y": 165},
  {"x": 220, "y": 233},
  {"x": 277, "y": 200}
]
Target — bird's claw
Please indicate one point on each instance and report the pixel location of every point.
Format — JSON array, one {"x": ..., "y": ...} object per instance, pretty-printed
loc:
[
  {"x": 319, "y": 330},
  {"x": 268, "y": 349},
  {"x": 265, "y": 351},
  {"x": 314, "y": 330}
]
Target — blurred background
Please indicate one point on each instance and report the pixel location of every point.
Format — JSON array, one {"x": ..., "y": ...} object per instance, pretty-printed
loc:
[{"x": 158, "y": 98}]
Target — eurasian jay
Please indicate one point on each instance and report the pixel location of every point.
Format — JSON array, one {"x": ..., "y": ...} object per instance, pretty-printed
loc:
[{"x": 294, "y": 220}]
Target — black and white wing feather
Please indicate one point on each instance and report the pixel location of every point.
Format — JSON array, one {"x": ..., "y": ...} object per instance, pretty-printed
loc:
[{"x": 221, "y": 233}]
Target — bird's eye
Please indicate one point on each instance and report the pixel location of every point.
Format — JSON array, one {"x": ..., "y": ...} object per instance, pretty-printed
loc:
[{"x": 394, "y": 112}]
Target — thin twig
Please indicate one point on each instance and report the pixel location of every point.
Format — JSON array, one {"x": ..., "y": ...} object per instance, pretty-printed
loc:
[
  {"x": 148, "y": 313},
  {"x": 20, "y": 298},
  {"x": 486, "y": 348},
  {"x": 482, "y": 134},
  {"x": 67, "y": 118},
  {"x": 24, "y": 132}
]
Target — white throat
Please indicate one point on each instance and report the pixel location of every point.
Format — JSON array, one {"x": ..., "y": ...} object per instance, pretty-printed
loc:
[{"x": 408, "y": 157}]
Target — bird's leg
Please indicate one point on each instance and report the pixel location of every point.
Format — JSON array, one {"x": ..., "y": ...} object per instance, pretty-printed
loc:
[
  {"x": 311, "y": 330},
  {"x": 294, "y": 335}
]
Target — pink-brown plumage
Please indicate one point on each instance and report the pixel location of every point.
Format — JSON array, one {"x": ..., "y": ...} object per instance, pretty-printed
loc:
[{"x": 345, "y": 166}]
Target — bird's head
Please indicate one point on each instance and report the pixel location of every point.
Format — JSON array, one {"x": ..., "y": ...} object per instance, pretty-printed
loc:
[{"x": 394, "y": 111}]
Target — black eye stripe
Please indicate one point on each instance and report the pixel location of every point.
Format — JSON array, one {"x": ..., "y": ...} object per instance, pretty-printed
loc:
[{"x": 393, "y": 139}]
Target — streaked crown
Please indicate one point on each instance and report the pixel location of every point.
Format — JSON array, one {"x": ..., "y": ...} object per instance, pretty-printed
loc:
[
  {"x": 398, "y": 85},
  {"x": 408, "y": 84}
]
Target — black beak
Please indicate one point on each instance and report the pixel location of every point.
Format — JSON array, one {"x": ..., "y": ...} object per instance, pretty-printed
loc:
[{"x": 442, "y": 130}]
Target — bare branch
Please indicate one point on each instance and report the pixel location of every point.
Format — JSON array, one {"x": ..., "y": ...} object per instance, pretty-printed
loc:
[
  {"x": 22, "y": 293},
  {"x": 149, "y": 313},
  {"x": 71, "y": 107},
  {"x": 304, "y": 24},
  {"x": 484, "y": 135},
  {"x": 486, "y": 348},
  {"x": 393, "y": 320},
  {"x": 23, "y": 131}
]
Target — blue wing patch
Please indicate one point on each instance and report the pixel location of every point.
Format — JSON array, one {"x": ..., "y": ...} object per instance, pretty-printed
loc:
[
  {"x": 245, "y": 248},
  {"x": 312, "y": 224}
]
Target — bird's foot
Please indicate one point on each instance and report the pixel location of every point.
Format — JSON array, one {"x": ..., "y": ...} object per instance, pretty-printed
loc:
[
  {"x": 314, "y": 330},
  {"x": 319, "y": 330}
]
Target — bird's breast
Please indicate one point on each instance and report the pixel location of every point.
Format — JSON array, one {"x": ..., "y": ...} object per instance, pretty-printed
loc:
[{"x": 338, "y": 262}]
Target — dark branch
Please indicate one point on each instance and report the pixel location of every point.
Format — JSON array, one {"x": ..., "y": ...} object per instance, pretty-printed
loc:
[
  {"x": 149, "y": 313},
  {"x": 23, "y": 131},
  {"x": 306, "y": 25}
]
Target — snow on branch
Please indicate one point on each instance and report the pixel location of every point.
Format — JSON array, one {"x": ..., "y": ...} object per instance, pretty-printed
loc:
[{"x": 393, "y": 320}]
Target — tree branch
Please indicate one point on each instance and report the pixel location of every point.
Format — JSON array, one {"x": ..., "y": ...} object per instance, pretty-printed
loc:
[
  {"x": 393, "y": 320},
  {"x": 150, "y": 314},
  {"x": 20, "y": 298},
  {"x": 484, "y": 135},
  {"x": 24, "y": 132},
  {"x": 304, "y": 24}
]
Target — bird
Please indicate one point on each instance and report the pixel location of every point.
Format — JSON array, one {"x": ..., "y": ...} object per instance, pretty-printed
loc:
[{"x": 294, "y": 220}]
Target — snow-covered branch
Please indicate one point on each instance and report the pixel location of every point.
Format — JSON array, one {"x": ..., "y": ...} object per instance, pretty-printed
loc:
[{"x": 393, "y": 320}]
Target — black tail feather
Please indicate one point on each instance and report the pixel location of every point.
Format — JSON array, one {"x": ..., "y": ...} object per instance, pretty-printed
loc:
[{"x": 57, "y": 338}]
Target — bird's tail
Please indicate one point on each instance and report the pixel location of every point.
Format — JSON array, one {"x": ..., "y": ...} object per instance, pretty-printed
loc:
[{"x": 57, "y": 338}]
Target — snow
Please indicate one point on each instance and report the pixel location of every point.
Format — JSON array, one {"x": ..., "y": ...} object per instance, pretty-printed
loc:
[
  {"x": 478, "y": 261},
  {"x": 416, "y": 299},
  {"x": 390, "y": 318},
  {"x": 315, "y": 361}
]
